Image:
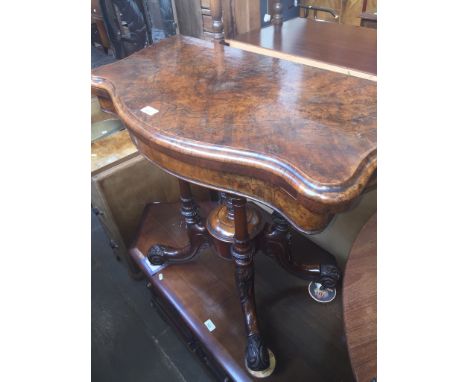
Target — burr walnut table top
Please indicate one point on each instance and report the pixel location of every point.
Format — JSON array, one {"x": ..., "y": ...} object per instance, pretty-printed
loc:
[{"x": 298, "y": 138}]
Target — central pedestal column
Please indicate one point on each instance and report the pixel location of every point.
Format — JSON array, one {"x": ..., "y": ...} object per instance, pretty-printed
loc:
[{"x": 220, "y": 224}]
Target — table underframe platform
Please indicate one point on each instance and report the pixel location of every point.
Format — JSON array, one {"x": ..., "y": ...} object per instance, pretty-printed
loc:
[{"x": 306, "y": 337}]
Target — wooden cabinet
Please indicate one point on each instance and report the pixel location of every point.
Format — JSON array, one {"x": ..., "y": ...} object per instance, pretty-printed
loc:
[{"x": 195, "y": 18}]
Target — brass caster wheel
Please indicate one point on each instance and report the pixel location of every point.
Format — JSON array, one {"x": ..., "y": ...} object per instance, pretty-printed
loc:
[{"x": 321, "y": 294}]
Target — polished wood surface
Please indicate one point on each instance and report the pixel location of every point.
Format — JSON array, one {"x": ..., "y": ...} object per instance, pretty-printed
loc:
[
  {"x": 360, "y": 303},
  {"x": 307, "y": 338},
  {"x": 341, "y": 45},
  {"x": 300, "y": 139}
]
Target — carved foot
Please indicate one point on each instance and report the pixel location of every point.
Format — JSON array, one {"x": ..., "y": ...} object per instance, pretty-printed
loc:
[
  {"x": 256, "y": 354},
  {"x": 158, "y": 254},
  {"x": 161, "y": 254},
  {"x": 259, "y": 360},
  {"x": 329, "y": 275}
]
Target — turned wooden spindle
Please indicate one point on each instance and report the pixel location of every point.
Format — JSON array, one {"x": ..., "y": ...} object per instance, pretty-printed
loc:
[
  {"x": 277, "y": 13},
  {"x": 189, "y": 208},
  {"x": 216, "y": 15}
]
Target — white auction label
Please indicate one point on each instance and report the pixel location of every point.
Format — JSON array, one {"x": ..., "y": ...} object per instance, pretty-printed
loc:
[
  {"x": 209, "y": 324},
  {"x": 149, "y": 110}
]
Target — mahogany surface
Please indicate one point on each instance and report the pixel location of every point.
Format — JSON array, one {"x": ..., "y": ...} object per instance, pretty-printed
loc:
[
  {"x": 360, "y": 302},
  {"x": 339, "y": 44},
  {"x": 298, "y": 138},
  {"x": 307, "y": 338}
]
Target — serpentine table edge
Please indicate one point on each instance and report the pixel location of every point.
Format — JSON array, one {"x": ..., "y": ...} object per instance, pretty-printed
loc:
[{"x": 299, "y": 139}]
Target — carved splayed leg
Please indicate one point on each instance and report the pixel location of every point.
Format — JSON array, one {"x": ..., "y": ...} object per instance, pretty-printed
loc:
[
  {"x": 329, "y": 275},
  {"x": 259, "y": 360},
  {"x": 257, "y": 357},
  {"x": 324, "y": 277},
  {"x": 160, "y": 254}
]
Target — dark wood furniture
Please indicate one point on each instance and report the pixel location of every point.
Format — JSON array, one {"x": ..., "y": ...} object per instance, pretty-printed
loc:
[
  {"x": 368, "y": 19},
  {"x": 342, "y": 48},
  {"x": 97, "y": 19},
  {"x": 239, "y": 16},
  {"x": 299, "y": 139},
  {"x": 307, "y": 337},
  {"x": 360, "y": 303}
]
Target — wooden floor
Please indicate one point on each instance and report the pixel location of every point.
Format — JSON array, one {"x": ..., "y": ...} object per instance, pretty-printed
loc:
[{"x": 306, "y": 337}]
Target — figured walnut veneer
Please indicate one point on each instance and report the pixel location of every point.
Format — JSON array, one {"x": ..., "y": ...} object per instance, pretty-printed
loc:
[{"x": 298, "y": 138}]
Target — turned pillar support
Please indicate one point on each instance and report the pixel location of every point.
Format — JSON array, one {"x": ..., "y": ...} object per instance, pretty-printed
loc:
[
  {"x": 220, "y": 224},
  {"x": 277, "y": 13},
  {"x": 217, "y": 17}
]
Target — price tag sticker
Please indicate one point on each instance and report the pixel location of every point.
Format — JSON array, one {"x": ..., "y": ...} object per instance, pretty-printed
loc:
[
  {"x": 210, "y": 325},
  {"x": 149, "y": 110}
]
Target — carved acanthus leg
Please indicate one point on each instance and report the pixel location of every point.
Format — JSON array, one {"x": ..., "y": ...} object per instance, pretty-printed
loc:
[
  {"x": 160, "y": 254},
  {"x": 277, "y": 243},
  {"x": 259, "y": 360}
]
